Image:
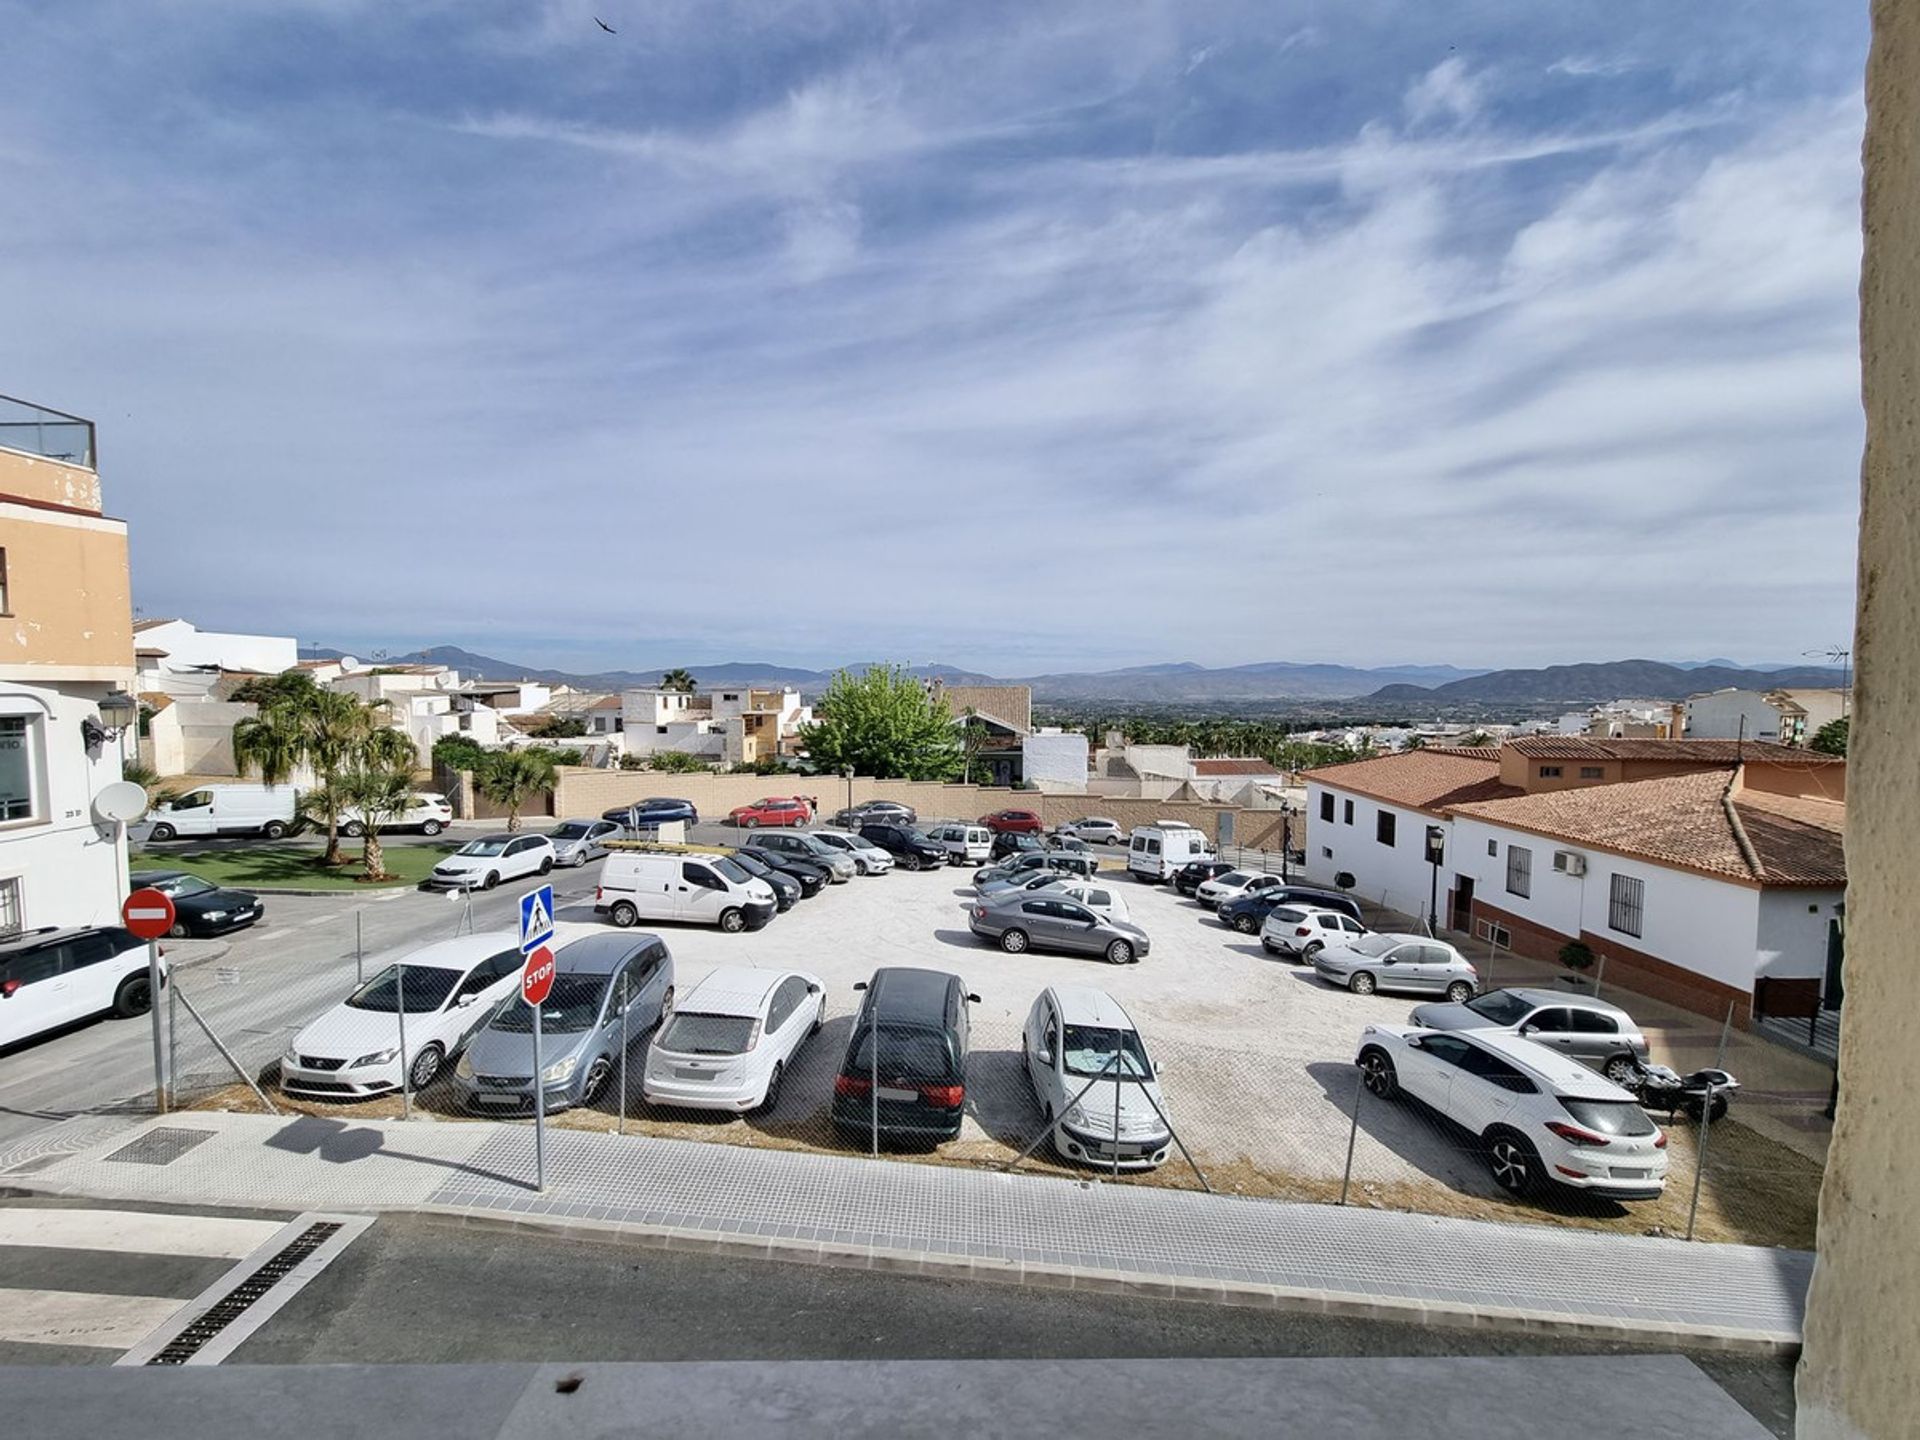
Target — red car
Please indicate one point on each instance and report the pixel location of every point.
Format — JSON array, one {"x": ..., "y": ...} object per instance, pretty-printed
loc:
[
  {"x": 769, "y": 812},
  {"x": 1013, "y": 822}
]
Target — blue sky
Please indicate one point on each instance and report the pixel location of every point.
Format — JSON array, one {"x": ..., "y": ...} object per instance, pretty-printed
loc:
[{"x": 1020, "y": 337}]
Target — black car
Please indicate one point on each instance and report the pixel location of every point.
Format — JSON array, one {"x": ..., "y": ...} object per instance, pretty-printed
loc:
[
  {"x": 199, "y": 906},
  {"x": 656, "y": 810},
  {"x": 1247, "y": 913},
  {"x": 787, "y": 891},
  {"x": 811, "y": 878},
  {"x": 1011, "y": 842},
  {"x": 1190, "y": 877},
  {"x": 905, "y": 1072},
  {"x": 909, "y": 848},
  {"x": 875, "y": 812}
]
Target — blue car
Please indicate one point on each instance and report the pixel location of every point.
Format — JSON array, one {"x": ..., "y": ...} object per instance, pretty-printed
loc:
[{"x": 657, "y": 810}]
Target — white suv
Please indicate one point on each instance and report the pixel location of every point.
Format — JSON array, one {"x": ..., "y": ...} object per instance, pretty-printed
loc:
[
  {"x": 1541, "y": 1116},
  {"x": 1232, "y": 885},
  {"x": 425, "y": 811},
  {"x": 53, "y": 977},
  {"x": 1303, "y": 932}
]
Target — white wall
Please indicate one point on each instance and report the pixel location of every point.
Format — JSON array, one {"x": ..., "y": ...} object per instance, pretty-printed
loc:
[
  {"x": 1718, "y": 716},
  {"x": 72, "y": 870},
  {"x": 195, "y": 737},
  {"x": 1792, "y": 938},
  {"x": 1397, "y": 876},
  {"x": 1055, "y": 762},
  {"x": 187, "y": 645}
]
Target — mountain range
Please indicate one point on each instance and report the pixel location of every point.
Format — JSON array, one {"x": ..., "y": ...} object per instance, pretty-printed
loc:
[{"x": 1392, "y": 686}]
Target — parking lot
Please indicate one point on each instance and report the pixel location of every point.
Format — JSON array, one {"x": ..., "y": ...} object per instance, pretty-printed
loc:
[{"x": 1255, "y": 1055}]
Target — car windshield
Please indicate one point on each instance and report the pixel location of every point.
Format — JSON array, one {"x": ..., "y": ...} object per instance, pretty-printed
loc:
[
  {"x": 1090, "y": 1050},
  {"x": 572, "y": 1006},
  {"x": 1374, "y": 946},
  {"x": 1502, "y": 1007},
  {"x": 1288, "y": 917},
  {"x": 189, "y": 885},
  {"x": 572, "y": 830},
  {"x": 1609, "y": 1117},
  {"x": 728, "y": 867},
  {"x": 905, "y": 1054},
  {"x": 426, "y": 988},
  {"x": 837, "y": 842},
  {"x": 1234, "y": 877},
  {"x": 691, "y": 1034},
  {"x": 492, "y": 845}
]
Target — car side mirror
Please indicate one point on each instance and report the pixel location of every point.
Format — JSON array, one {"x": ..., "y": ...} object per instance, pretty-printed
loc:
[
  {"x": 973, "y": 999},
  {"x": 1414, "y": 1042},
  {"x": 466, "y": 1000},
  {"x": 859, "y": 984},
  {"x": 814, "y": 989},
  {"x": 1045, "y": 1057},
  {"x": 1529, "y": 1029}
]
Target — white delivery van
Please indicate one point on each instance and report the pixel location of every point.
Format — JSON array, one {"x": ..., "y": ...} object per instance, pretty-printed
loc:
[
  {"x": 964, "y": 844},
  {"x": 267, "y": 810},
  {"x": 1159, "y": 849},
  {"x": 696, "y": 889}
]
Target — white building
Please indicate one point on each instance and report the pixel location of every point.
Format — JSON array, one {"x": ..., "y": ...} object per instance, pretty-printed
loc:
[
  {"x": 1732, "y": 714},
  {"x": 177, "y": 657},
  {"x": 1055, "y": 760}
]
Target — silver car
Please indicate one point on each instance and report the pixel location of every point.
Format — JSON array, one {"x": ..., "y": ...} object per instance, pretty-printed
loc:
[
  {"x": 1024, "y": 920},
  {"x": 1398, "y": 962},
  {"x": 991, "y": 879},
  {"x": 798, "y": 845},
  {"x": 575, "y": 842},
  {"x": 1602, "y": 1035},
  {"x": 1096, "y": 828}
]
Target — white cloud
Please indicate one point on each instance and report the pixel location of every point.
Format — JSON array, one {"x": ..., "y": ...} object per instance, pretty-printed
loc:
[{"x": 1449, "y": 91}]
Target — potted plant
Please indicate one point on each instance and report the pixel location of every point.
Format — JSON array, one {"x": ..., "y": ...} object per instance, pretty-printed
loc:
[{"x": 1578, "y": 957}]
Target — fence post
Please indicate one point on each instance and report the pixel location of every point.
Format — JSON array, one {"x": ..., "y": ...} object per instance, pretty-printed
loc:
[
  {"x": 359, "y": 958},
  {"x": 1599, "y": 976},
  {"x": 626, "y": 1000},
  {"x": 1726, "y": 1026},
  {"x": 400, "y": 1009},
  {"x": 1700, "y": 1159},
  {"x": 173, "y": 1043},
  {"x": 1353, "y": 1131},
  {"x": 227, "y": 1055}
]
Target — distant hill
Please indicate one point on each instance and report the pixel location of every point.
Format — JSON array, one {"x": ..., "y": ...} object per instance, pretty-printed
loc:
[
  {"x": 1596, "y": 684},
  {"x": 1266, "y": 680},
  {"x": 741, "y": 673}
]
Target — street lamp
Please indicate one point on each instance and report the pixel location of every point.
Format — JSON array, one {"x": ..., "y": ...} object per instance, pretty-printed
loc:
[
  {"x": 118, "y": 711},
  {"x": 1286, "y": 840},
  {"x": 1436, "y": 852},
  {"x": 846, "y": 774}
]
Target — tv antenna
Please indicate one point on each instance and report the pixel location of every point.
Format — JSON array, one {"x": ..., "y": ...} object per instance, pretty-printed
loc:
[{"x": 1842, "y": 656}]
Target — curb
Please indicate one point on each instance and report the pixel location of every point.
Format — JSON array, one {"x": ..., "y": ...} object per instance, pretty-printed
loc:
[{"x": 216, "y": 950}]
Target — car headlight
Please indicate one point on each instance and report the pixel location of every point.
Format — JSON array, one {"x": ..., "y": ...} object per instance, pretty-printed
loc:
[
  {"x": 216, "y": 915},
  {"x": 465, "y": 1068},
  {"x": 560, "y": 1070},
  {"x": 1075, "y": 1115},
  {"x": 378, "y": 1057},
  {"x": 290, "y": 1060}
]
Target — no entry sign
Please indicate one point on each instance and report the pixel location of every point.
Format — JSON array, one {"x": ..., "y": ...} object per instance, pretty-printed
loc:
[
  {"x": 536, "y": 977},
  {"x": 148, "y": 914}
]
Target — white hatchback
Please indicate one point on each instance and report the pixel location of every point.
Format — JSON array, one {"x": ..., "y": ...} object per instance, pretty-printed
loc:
[
  {"x": 482, "y": 864},
  {"x": 1090, "y": 1071},
  {"x": 1541, "y": 1117},
  {"x": 1094, "y": 894},
  {"x": 733, "y": 1038},
  {"x": 1234, "y": 884},
  {"x": 868, "y": 857},
  {"x": 450, "y": 988}
]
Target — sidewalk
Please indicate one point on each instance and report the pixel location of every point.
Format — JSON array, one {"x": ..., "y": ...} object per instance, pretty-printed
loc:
[{"x": 939, "y": 1221}]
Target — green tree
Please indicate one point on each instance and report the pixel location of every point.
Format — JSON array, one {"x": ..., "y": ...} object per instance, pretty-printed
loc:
[
  {"x": 677, "y": 679},
  {"x": 885, "y": 724},
  {"x": 974, "y": 737},
  {"x": 376, "y": 790},
  {"x": 557, "y": 727},
  {"x": 459, "y": 752},
  {"x": 1831, "y": 738},
  {"x": 512, "y": 777},
  {"x": 677, "y": 762}
]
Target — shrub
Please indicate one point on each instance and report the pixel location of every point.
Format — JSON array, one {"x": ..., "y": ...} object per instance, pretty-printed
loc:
[{"x": 1577, "y": 955}]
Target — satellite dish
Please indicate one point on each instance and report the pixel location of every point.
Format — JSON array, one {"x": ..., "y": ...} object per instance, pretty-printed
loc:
[{"x": 123, "y": 800}]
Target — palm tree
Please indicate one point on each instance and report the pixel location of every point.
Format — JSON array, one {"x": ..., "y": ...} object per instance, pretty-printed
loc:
[
  {"x": 677, "y": 679},
  {"x": 377, "y": 788},
  {"x": 511, "y": 777}
]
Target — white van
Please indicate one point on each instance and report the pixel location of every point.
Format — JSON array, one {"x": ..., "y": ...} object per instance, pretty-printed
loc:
[
  {"x": 1159, "y": 849},
  {"x": 964, "y": 844},
  {"x": 227, "y": 810},
  {"x": 696, "y": 889}
]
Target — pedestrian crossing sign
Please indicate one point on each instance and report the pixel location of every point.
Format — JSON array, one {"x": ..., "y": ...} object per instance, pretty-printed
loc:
[{"x": 536, "y": 919}]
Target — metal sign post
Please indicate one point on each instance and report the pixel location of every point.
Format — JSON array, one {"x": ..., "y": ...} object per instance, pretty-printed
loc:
[
  {"x": 400, "y": 1008},
  {"x": 536, "y": 982},
  {"x": 539, "y": 1110},
  {"x": 159, "y": 1044},
  {"x": 149, "y": 915}
]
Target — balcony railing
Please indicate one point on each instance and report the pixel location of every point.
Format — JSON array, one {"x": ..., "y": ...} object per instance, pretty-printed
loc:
[{"x": 53, "y": 434}]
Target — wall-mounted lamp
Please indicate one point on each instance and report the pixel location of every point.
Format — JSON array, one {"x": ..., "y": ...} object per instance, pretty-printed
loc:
[{"x": 118, "y": 711}]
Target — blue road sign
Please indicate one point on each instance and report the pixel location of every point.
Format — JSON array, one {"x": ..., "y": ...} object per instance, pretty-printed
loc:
[{"x": 536, "y": 919}]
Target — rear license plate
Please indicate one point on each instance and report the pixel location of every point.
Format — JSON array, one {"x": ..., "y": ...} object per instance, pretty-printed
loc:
[
  {"x": 887, "y": 1092},
  {"x": 1620, "y": 1173},
  {"x": 694, "y": 1074}
]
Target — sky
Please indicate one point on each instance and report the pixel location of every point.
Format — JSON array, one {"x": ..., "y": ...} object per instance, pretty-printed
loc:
[{"x": 1016, "y": 337}]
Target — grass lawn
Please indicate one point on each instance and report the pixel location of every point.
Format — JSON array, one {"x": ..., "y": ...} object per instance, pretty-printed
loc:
[{"x": 292, "y": 867}]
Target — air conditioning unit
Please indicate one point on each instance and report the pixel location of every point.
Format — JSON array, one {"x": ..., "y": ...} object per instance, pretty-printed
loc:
[{"x": 1569, "y": 862}]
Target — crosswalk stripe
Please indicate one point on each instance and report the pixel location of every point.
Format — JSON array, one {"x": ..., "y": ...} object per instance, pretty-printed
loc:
[
  {"x": 134, "y": 1231},
  {"x": 66, "y": 1317}
]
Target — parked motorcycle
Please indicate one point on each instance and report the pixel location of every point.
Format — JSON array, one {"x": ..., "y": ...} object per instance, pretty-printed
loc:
[{"x": 1661, "y": 1088}]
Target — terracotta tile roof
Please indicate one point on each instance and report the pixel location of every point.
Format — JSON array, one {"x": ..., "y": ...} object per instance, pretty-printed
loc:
[
  {"x": 1203, "y": 768},
  {"x": 1430, "y": 779},
  {"x": 1685, "y": 821},
  {"x": 1703, "y": 752},
  {"x": 1472, "y": 752}
]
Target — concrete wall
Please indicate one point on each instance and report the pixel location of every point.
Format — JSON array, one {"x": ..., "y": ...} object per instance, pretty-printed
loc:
[
  {"x": 188, "y": 645},
  {"x": 1792, "y": 939},
  {"x": 71, "y": 869},
  {"x": 1055, "y": 762},
  {"x": 1857, "y": 1373},
  {"x": 1397, "y": 876},
  {"x": 1719, "y": 716},
  {"x": 69, "y": 598},
  {"x": 195, "y": 737}
]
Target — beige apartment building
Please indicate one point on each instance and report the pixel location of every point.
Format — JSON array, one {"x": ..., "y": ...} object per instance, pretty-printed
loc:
[{"x": 66, "y": 674}]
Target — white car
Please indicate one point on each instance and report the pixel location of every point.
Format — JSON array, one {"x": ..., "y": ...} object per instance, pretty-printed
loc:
[
  {"x": 1096, "y": 828},
  {"x": 451, "y": 988},
  {"x": 575, "y": 842},
  {"x": 1089, "y": 1068},
  {"x": 1302, "y": 931},
  {"x": 1094, "y": 894},
  {"x": 482, "y": 864},
  {"x": 868, "y": 857},
  {"x": 427, "y": 812},
  {"x": 1234, "y": 884},
  {"x": 52, "y": 977},
  {"x": 1543, "y": 1117},
  {"x": 733, "y": 1038}
]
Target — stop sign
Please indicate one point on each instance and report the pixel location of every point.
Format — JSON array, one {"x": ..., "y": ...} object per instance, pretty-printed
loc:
[
  {"x": 536, "y": 978},
  {"x": 148, "y": 914}
]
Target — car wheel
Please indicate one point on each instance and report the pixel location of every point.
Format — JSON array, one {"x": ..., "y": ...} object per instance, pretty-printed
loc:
[
  {"x": 134, "y": 997},
  {"x": 546, "y": 864},
  {"x": 666, "y": 1005},
  {"x": 273, "y": 829},
  {"x": 432, "y": 827},
  {"x": 1313, "y": 948},
  {"x": 493, "y": 879},
  {"x": 598, "y": 1074},
  {"x": 425, "y": 1066},
  {"x": 1244, "y": 924},
  {"x": 1378, "y": 1075},
  {"x": 623, "y": 915},
  {"x": 1459, "y": 992},
  {"x": 732, "y": 921},
  {"x": 161, "y": 832},
  {"x": 821, "y": 1018},
  {"x": 353, "y": 830},
  {"x": 1361, "y": 983},
  {"x": 179, "y": 930},
  {"x": 580, "y": 859},
  {"x": 1514, "y": 1162},
  {"x": 750, "y": 823},
  {"x": 1621, "y": 1070},
  {"x": 1120, "y": 952},
  {"x": 1014, "y": 942},
  {"x": 772, "y": 1097}
]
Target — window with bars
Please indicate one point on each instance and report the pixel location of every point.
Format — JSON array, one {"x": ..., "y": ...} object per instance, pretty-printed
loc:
[
  {"x": 10, "y": 924},
  {"x": 1519, "y": 870},
  {"x": 1626, "y": 903}
]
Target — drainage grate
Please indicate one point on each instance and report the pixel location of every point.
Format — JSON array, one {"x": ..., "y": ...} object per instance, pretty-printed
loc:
[
  {"x": 161, "y": 1145},
  {"x": 230, "y": 1307}
]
